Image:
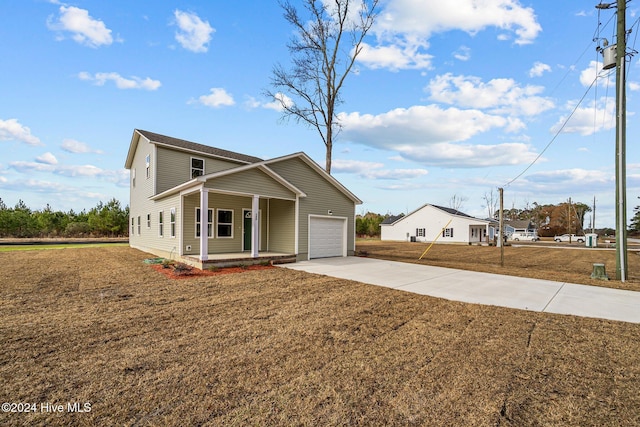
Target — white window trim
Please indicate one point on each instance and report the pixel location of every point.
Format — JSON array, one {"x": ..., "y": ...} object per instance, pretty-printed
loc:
[
  {"x": 139, "y": 225},
  {"x": 147, "y": 163},
  {"x": 217, "y": 223},
  {"x": 209, "y": 229},
  {"x": 191, "y": 168},
  {"x": 160, "y": 223},
  {"x": 148, "y": 221},
  {"x": 172, "y": 223}
]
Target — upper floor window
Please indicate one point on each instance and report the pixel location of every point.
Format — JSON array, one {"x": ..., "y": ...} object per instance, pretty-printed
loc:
[
  {"x": 197, "y": 167},
  {"x": 147, "y": 162}
]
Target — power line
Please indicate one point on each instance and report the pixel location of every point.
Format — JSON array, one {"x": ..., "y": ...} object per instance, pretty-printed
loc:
[{"x": 555, "y": 136}]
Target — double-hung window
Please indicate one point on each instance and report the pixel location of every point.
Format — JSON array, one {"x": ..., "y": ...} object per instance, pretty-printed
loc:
[
  {"x": 147, "y": 161},
  {"x": 420, "y": 232},
  {"x": 224, "y": 223},
  {"x": 209, "y": 223},
  {"x": 197, "y": 167},
  {"x": 172, "y": 222},
  {"x": 160, "y": 224},
  {"x": 447, "y": 232}
]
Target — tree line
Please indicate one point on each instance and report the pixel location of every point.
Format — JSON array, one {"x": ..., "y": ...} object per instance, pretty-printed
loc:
[{"x": 104, "y": 220}]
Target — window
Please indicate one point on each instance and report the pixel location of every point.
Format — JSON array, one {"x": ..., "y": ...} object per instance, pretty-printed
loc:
[
  {"x": 225, "y": 223},
  {"x": 209, "y": 222},
  {"x": 133, "y": 177},
  {"x": 447, "y": 232},
  {"x": 197, "y": 167},
  {"x": 172, "y": 222},
  {"x": 160, "y": 224},
  {"x": 133, "y": 226},
  {"x": 148, "y": 220},
  {"x": 139, "y": 225},
  {"x": 420, "y": 232},
  {"x": 147, "y": 161}
]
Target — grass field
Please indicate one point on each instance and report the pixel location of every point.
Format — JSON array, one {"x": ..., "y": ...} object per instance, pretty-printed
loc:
[
  {"x": 12, "y": 248},
  {"x": 282, "y": 347}
]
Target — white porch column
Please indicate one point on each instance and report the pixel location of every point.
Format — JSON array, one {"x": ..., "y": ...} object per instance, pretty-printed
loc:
[
  {"x": 255, "y": 222},
  {"x": 204, "y": 238}
]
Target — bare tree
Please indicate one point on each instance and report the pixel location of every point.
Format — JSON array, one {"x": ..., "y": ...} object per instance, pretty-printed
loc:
[
  {"x": 324, "y": 48},
  {"x": 491, "y": 203},
  {"x": 456, "y": 202}
]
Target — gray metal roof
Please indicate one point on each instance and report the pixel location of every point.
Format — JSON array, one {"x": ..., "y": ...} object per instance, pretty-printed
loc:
[{"x": 194, "y": 146}]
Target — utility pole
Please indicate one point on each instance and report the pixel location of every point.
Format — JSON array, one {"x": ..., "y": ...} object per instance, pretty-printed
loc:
[
  {"x": 501, "y": 226},
  {"x": 621, "y": 135}
]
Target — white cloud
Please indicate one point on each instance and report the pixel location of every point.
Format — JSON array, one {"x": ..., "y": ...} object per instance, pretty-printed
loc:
[
  {"x": 193, "y": 33},
  {"x": 502, "y": 96},
  {"x": 589, "y": 74},
  {"x": 564, "y": 179},
  {"x": 399, "y": 56},
  {"x": 462, "y": 54},
  {"x": 374, "y": 170},
  {"x": 539, "y": 69},
  {"x": 12, "y": 130},
  {"x": 99, "y": 79},
  {"x": 119, "y": 177},
  {"x": 280, "y": 101},
  {"x": 217, "y": 98},
  {"x": 47, "y": 158},
  {"x": 404, "y": 27},
  {"x": 85, "y": 29},
  {"x": 431, "y": 136},
  {"x": 422, "y": 18},
  {"x": 77, "y": 147},
  {"x": 594, "y": 117}
]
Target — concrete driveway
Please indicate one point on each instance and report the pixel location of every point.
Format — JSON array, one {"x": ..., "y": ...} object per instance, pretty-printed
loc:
[{"x": 483, "y": 288}]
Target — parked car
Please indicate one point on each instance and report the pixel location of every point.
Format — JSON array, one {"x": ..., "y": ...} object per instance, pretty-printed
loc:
[
  {"x": 524, "y": 236},
  {"x": 570, "y": 237}
]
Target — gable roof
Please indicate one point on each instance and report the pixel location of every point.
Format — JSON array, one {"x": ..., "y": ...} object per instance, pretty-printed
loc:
[
  {"x": 453, "y": 211},
  {"x": 320, "y": 171},
  {"x": 250, "y": 162},
  {"x": 184, "y": 145},
  {"x": 450, "y": 211}
]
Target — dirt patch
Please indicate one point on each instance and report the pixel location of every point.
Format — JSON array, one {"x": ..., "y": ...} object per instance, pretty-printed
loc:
[
  {"x": 571, "y": 264},
  {"x": 190, "y": 273},
  {"x": 283, "y": 347}
]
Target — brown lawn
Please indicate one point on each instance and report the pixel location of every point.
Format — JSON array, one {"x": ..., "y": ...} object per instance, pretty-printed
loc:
[{"x": 281, "y": 347}]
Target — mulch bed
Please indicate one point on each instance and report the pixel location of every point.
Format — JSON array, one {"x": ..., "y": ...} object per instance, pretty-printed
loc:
[{"x": 171, "y": 273}]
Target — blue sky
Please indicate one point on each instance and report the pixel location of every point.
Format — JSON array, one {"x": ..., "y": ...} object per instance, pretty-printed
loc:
[{"x": 446, "y": 99}]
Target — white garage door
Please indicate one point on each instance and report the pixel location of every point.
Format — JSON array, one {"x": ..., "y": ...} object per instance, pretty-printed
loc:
[{"x": 327, "y": 237}]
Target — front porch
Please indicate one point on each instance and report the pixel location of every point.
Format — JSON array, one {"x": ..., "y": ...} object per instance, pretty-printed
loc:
[{"x": 237, "y": 258}]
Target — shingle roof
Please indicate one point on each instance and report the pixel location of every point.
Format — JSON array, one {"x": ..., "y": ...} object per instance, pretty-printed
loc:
[
  {"x": 391, "y": 219},
  {"x": 193, "y": 146},
  {"x": 452, "y": 211}
]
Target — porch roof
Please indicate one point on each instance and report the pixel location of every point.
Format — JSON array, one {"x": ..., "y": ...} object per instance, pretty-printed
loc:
[{"x": 198, "y": 182}]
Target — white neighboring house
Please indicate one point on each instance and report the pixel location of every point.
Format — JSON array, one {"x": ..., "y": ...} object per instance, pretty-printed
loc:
[{"x": 431, "y": 222}]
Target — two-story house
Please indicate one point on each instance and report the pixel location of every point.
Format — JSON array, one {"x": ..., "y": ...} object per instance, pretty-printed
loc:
[{"x": 203, "y": 204}]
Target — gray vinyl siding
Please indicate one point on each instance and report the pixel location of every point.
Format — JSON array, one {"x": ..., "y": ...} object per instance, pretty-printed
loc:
[
  {"x": 251, "y": 182},
  {"x": 139, "y": 204},
  {"x": 219, "y": 245},
  {"x": 322, "y": 196},
  {"x": 175, "y": 167},
  {"x": 282, "y": 216}
]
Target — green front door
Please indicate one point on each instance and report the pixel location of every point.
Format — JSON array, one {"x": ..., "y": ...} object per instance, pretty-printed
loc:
[{"x": 247, "y": 231}]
